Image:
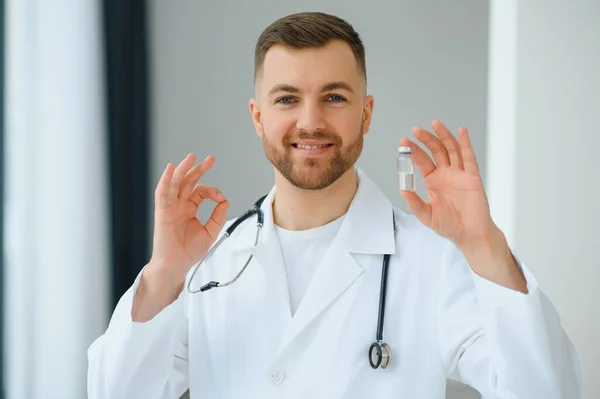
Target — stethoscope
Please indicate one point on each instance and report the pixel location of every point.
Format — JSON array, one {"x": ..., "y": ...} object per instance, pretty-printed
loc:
[{"x": 380, "y": 353}]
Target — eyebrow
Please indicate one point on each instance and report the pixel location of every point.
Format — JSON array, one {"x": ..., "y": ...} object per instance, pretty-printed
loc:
[
  {"x": 326, "y": 87},
  {"x": 337, "y": 86}
]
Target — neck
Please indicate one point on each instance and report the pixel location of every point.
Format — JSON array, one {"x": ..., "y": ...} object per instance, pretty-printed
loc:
[{"x": 298, "y": 209}]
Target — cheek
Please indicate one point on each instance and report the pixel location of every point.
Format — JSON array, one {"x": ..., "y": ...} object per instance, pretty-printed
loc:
[
  {"x": 347, "y": 125},
  {"x": 277, "y": 124}
]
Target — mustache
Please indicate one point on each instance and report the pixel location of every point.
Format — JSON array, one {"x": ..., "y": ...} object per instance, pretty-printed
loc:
[{"x": 316, "y": 135}]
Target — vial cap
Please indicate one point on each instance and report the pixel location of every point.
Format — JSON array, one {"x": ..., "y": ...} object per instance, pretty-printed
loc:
[{"x": 404, "y": 150}]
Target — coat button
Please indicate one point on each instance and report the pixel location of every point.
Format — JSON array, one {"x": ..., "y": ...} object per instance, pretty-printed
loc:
[{"x": 275, "y": 376}]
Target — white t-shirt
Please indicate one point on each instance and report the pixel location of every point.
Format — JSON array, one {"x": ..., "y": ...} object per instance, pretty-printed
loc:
[{"x": 302, "y": 253}]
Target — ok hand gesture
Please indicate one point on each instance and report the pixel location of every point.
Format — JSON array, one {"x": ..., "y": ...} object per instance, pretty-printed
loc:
[{"x": 180, "y": 239}]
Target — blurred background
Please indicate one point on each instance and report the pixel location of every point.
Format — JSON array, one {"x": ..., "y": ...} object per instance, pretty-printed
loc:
[{"x": 99, "y": 95}]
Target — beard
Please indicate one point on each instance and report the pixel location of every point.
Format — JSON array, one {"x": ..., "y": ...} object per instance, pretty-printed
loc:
[{"x": 313, "y": 173}]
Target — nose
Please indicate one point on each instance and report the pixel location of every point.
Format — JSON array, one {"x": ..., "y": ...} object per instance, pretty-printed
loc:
[{"x": 310, "y": 117}]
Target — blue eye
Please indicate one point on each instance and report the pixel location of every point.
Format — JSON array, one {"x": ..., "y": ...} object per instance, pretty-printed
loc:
[
  {"x": 335, "y": 98},
  {"x": 285, "y": 100}
]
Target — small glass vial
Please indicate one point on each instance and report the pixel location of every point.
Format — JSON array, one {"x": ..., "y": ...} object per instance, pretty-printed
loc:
[{"x": 406, "y": 169}]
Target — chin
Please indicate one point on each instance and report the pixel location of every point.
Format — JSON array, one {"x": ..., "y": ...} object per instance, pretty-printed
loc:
[{"x": 314, "y": 176}]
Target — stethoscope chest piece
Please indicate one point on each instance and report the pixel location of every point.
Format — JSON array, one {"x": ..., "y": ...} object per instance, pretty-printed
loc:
[{"x": 380, "y": 355}]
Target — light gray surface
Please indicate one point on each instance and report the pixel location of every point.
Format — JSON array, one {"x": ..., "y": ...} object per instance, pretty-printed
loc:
[
  {"x": 557, "y": 187},
  {"x": 543, "y": 163},
  {"x": 426, "y": 60}
]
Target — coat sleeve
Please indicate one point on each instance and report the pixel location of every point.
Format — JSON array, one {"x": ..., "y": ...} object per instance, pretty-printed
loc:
[
  {"x": 503, "y": 343},
  {"x": 140, "y": 360}
]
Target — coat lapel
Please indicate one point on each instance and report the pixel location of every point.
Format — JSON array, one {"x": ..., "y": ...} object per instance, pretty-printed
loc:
[
  {"x": 336, "y": 272},
  {"x": 368, "y": 228},
  {"x": 267, "y": 253}
]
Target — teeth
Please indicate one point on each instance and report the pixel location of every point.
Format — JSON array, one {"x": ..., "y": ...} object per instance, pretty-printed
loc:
[{"x": 311, "y": 147}]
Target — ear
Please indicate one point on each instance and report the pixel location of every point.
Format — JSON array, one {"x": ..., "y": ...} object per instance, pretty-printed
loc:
[
  {"x": 367, "y": 114},
  {"x": 256, "y": 116}
]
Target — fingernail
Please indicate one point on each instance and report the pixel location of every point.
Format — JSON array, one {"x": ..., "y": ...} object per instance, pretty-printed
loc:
[{"x": 219, "y": 195}]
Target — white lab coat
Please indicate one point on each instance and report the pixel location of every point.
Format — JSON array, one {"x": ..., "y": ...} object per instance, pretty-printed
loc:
[{"x": 242, "y": 341}]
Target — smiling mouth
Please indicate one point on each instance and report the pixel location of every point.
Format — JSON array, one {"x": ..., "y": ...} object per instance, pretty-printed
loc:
[{"x": 310, "y": 147}]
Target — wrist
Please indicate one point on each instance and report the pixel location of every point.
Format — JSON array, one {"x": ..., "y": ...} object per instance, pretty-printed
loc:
[
  {"x": 492, "y": 245},
  {"x": 161, "y": 277},
  {"x": 156, "y": 291},
  {"x": 492, "y": 259}
]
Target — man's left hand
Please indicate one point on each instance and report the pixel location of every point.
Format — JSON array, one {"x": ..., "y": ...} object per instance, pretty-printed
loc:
[{"x": 457, "y": 206}]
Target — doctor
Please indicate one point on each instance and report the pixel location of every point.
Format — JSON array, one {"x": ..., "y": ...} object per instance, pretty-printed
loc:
[{"x": 300, "y": 320}]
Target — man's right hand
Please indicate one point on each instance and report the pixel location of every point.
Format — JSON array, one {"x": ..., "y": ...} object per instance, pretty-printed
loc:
[{"x": 180, "y": 239}]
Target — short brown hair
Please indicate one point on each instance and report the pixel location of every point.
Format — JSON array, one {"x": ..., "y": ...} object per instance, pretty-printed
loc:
[{"x": 308, "y": 30}]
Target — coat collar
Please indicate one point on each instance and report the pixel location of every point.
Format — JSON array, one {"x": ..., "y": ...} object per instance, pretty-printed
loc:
[{"x": 367, "y": 228}]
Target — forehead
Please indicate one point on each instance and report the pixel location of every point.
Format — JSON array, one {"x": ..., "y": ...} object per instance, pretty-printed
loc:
[{"x": 310, "y": 68}]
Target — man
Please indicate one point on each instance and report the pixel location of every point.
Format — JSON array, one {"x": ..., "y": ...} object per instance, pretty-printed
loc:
[{"x": 300, "y": 320}]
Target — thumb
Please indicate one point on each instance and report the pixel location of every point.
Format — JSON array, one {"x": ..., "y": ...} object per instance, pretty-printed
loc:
[
  {"x": 217, "y": 219},
  {"x": 417, "y": 206}
]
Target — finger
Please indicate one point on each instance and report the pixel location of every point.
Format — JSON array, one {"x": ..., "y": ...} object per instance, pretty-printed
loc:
[
  {"x": 422, "y": 160},
  {"x": 438, "y": 150},
  {"x": 469, "y": 157},
  {"x": 162, "y": 188},
  {"x": 217, "y": 220},
  {"x": 178, "y": 176},
  {"x": 202, "y": 192},
  {"x": 194, "y": 175},
  {"x": 449, "y": 141},
  {"x": 417, "y": 207}
]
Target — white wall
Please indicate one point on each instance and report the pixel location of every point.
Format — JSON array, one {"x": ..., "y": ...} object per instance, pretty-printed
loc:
[
  {"x": 543, "y": 115},
  {"x": 426, "y": 59},
  {"x": 56, "y": 249}
]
